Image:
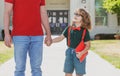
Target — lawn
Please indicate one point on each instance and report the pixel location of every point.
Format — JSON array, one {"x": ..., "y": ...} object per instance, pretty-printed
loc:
[
  {"x": 108, "y": 49},
  {"x": 5, "y": 53}
]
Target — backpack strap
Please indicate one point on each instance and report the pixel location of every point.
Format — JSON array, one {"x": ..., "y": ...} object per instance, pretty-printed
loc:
[
  {"x": 69, "y": 29},
  {"x": 83, "y": 35}
]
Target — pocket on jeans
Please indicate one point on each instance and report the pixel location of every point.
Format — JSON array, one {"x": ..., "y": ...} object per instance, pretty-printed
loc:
[{"x": 67, "y": 52}]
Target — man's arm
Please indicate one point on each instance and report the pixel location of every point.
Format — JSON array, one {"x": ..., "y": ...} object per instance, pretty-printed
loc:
[
  {"x": 45, "y": 22},
  {"x": 7, "y": 12}
]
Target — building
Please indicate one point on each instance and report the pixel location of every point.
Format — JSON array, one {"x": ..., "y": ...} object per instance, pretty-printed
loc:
[
  {"x": 1, "y": 18},
  {"x": 1, "y": 11},
  {"x": 102, "y": 22},
  {"x": 60, "y": 13}
]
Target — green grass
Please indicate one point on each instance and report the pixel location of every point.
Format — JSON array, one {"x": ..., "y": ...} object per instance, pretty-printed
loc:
[
  {"x": 103, "y": 48},
  {"x": 5, "y": 53},
  {"x": 112, "y": 59}
]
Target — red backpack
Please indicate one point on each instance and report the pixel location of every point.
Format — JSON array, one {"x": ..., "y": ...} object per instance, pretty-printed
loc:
[{"x": 80, "y": 46}]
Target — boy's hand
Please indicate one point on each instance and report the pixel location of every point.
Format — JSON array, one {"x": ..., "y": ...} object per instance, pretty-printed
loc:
[{"x": 78, "y": 54}]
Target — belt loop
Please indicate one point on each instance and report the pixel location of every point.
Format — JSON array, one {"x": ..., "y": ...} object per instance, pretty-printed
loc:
[{"x": 72, "y": 51}]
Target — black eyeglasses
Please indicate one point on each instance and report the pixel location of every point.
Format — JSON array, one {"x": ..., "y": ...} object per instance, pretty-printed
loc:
[{"x": 78, "y": 15}]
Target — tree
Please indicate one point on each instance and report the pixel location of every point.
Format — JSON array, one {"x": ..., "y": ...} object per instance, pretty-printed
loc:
[{"x": 112, "y": 6}]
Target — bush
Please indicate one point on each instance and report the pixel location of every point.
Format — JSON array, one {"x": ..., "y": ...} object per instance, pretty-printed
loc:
[{"x": 104, "y": 36}]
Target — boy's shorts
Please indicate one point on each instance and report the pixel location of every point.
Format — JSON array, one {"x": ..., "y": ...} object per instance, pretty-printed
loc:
[{"x": 72, "y": 62}]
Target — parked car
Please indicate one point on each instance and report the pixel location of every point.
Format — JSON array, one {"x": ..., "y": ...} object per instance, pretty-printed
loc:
[{"x": 2, "y": 31}]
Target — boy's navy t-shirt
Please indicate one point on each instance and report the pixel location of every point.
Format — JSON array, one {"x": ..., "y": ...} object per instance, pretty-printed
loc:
[{"x": 75, "y": 36}]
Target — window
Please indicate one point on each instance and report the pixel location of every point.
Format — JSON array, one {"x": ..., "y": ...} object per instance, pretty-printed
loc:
[
  {"x": 10, "y": 20},
  {"x": 100, "y": 14},
  {"x": 58, "y": 20},
  {"x": 118, "y": 20}
]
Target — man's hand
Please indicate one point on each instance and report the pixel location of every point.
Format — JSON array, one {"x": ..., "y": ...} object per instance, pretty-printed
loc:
[
  {"x": 48, "y": 40},
  {"x": 8, "y": 40}
]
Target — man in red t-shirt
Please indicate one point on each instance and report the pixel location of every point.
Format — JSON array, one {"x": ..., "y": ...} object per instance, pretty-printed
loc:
[{"x": 28, "y": 16}]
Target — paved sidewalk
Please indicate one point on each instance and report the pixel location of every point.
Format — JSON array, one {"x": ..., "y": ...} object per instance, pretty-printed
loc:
[{"x": 53, "y": 60}]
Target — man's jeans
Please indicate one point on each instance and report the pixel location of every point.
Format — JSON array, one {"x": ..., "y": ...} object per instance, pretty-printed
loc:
[{"x": 34, "y": 46}]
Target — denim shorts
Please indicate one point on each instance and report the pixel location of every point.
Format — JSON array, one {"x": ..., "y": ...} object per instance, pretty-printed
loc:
[{"x": 72, "y": 63}]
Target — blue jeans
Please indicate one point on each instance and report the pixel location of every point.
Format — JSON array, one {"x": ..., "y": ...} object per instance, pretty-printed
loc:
[{"x": 33, "y": 45}]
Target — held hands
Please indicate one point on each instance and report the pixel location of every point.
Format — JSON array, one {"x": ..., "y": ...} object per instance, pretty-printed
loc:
[{"x": 48, "y": 40}]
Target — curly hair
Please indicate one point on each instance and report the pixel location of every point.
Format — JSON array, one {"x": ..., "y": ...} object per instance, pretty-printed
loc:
[{"x": 86, "y": 22}]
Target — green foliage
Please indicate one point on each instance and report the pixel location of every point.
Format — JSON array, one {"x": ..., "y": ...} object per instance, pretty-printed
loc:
[{"x": 112, "y": 6}]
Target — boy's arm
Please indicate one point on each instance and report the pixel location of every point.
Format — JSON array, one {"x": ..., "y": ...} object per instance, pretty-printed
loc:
[
  {"x": 87, "y": 47},
  {"x": 45, "y": 22},
  {"x": 87, "y": 42},
  {"x": 7, "y": 12},
  {"x": 58, "y": 39}
]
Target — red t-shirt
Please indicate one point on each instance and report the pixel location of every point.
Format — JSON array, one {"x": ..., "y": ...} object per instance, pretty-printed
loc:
[{"x": 26, "y": 17}]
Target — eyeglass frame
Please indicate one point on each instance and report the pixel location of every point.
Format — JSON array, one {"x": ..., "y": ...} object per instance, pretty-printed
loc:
[{"x": 78, "y": 15}]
